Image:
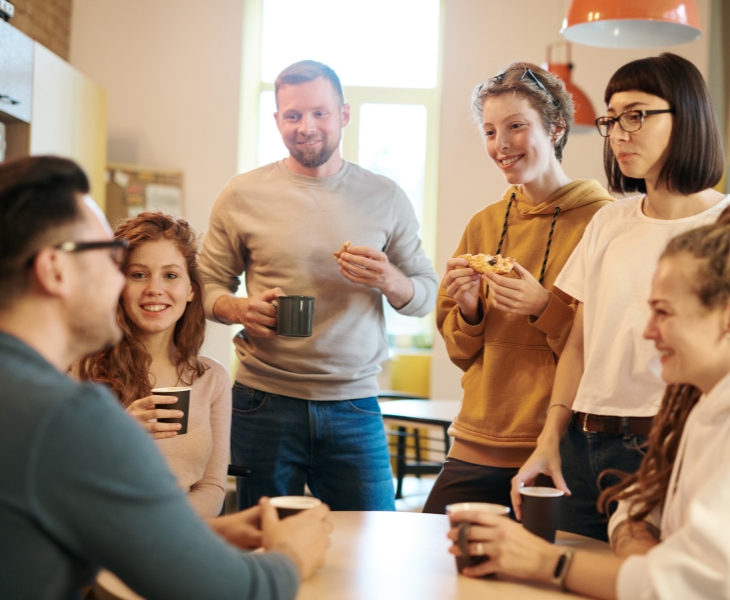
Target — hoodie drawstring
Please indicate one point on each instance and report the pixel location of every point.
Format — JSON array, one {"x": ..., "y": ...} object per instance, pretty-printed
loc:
[{"x": 550, "y": 235}]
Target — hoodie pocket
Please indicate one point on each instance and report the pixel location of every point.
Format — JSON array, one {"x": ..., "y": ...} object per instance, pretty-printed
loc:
[{"x": 506, "y": 394}]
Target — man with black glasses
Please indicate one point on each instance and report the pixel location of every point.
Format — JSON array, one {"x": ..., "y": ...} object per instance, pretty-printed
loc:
[{"x": 81, "y": 484}]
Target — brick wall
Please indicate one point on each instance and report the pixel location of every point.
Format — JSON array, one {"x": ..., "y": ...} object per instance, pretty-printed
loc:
[{"x": 46, "y": 21}]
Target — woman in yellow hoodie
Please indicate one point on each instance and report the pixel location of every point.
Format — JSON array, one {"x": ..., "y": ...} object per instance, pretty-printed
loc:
[{"x": 507, "y": 341}]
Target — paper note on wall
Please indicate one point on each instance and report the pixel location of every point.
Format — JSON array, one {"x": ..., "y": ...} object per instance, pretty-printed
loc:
[{"x": 166, "y": 198}]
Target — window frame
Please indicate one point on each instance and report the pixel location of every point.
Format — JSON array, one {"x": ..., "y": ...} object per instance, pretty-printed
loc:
[{"x": 252, "y": 86}]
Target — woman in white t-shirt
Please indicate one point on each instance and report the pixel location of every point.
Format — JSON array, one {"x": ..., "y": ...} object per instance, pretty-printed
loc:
[
  {"x": 662, "y": 141},
  {"x": 683, "y": 484}
]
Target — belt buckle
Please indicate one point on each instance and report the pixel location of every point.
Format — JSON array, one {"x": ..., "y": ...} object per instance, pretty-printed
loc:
[{"x": 584, "y": 426}]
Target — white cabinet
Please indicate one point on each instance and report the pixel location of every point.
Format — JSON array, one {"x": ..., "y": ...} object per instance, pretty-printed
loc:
[
  {"x": 16, "y": 72},
  {"x": 69, "y": 117}
]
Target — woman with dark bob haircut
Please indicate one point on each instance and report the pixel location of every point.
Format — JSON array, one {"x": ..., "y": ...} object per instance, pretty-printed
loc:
[{"x": 662, "y": 141}]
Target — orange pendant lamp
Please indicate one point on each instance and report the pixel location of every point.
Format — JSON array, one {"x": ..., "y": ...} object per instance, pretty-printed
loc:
[
  {"x": 632, "y": 23},
  {"x": 584, "y": 118}
]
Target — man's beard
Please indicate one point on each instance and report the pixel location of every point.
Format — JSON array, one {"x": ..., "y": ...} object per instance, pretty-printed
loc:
[
  {"x": 92, "y": 331},
  {"x": 312, "y": 159}
]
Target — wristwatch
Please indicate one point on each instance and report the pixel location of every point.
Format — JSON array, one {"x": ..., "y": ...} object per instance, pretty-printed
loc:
[{"x": 561, "y": 569}]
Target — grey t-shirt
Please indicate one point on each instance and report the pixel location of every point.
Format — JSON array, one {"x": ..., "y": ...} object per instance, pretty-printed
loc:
[{"x": 83, "y": 486}]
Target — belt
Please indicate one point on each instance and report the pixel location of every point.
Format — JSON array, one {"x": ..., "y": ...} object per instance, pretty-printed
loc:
[{"x": 613, "y": 425}]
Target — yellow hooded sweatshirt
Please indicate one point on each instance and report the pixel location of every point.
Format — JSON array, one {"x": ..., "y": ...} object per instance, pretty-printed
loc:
[{"x": 509, "y": 360}]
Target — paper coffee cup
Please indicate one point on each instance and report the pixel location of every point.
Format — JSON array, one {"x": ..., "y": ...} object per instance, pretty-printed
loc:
[
  {"x": 287, "y": 506},
  {"x": 541, "y": 511},
  {"x": 183, "y": 403},
  {"x": 466, "y": 559}
]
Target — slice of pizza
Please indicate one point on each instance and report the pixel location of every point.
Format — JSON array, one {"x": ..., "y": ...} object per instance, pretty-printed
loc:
[
  {"x": 487, "y": 263},
  {"x": 345, "y": 248}
]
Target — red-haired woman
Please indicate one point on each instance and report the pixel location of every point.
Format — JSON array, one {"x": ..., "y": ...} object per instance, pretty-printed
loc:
[{"x": 161, "y": 314}]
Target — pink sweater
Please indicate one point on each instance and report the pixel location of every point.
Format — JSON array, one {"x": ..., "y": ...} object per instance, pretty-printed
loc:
[{"x": 199, "y": 459}]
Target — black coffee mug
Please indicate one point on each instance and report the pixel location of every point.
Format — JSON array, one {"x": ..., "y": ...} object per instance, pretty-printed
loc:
[{"x": 294, "y": 315}]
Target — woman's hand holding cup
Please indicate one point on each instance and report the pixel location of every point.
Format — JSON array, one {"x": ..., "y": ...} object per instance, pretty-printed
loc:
[
  {"x": 508, "y": 546},
  {"x": 144, "y": 412}
]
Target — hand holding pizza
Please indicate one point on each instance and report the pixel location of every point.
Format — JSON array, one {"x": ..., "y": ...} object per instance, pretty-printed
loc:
[
  {"x": 462, "y": 283},
  {"x": 523, "y": 296}
]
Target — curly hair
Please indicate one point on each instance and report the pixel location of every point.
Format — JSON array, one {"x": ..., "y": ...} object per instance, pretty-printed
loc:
[
  {"x": 125, "y": 368},
  {"x": 544, "y": 91},
  {"x": 647, "y": 488}
]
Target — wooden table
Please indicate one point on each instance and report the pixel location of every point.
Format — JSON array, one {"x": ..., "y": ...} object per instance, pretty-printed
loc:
[
  {"x": 435, "y": 413},
  {"x": 403, "y": 556}
]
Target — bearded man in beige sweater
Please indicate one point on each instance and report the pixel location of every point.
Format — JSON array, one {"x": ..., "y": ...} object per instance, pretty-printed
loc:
[{"x": 305, "y": 409}]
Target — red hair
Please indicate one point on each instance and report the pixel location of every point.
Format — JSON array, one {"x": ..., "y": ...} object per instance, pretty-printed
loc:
[{"x": 125, "y": 368}]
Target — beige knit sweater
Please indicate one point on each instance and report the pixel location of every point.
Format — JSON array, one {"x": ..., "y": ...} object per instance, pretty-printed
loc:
[{"x": 199, "y": 459}]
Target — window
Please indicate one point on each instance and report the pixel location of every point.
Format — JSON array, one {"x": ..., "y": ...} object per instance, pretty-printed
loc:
[{"x": 386, "y": 53}]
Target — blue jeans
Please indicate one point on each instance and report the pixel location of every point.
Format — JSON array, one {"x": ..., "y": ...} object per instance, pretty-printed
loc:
[
  {"x": 338, "y": 448},
  {"x": 584, "y": 455}
]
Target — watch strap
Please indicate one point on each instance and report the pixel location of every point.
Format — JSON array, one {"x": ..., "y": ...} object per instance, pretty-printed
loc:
[{"x": 561, "y": 569}]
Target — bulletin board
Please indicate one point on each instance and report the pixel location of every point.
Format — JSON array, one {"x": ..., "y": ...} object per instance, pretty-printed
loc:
[{"x": 132, "y": 189}]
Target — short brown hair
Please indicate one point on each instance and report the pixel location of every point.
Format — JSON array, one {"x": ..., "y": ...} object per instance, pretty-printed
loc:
[
  {"x": 308, "y": 70},
  {"x": 552, "y": 100},
  {"x": 38, "y": 203},
  {"x": 696, "y": 159}
]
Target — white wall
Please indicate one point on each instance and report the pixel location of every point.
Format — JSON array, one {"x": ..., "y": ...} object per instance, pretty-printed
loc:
[
  {"x": 171, "y": 69},
  {"x": 480, "y": 39}
]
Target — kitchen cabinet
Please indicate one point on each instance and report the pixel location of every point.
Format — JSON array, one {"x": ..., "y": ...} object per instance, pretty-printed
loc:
[
  {"x": 69, "y": 117},
  {"x": 51, "y": 108},
  {"x": 16, "y": 74}
]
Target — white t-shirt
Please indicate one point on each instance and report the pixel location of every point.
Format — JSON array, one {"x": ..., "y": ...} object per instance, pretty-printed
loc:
[
  {"x": 693, "y": 559},
  {"x": 610, "y": 271}
]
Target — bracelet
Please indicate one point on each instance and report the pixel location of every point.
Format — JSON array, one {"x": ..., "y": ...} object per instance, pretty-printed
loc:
[
  {"x": 561, "y": 569},
  {"x": 560, "y": 404}
]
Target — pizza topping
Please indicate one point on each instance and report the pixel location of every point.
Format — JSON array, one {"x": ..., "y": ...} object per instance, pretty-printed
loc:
[{"x": 488, "y": 263}]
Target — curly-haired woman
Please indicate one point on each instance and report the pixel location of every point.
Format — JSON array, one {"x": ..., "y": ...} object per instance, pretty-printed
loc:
[
  {"x": 161, "y": 314},
  {"x": 507, "y": 342}
]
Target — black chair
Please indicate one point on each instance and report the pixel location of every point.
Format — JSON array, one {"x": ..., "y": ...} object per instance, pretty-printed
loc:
[
  {"x": 236, "y": 471},
  {"x": 418, "y": 466}
]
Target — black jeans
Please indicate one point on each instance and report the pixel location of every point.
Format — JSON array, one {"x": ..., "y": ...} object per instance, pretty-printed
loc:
[{"x": 461, "y": 481}]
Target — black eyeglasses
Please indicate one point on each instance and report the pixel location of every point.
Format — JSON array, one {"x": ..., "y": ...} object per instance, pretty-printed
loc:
[
  {"x": 630, "y": 120},
  {"x": 527, "y": 73},
  {"x": 117, "y": 248}
]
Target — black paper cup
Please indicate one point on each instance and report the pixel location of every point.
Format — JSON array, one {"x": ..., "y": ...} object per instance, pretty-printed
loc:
[
  {"x": 183, "y": 403},
  {"x": 287, "y": 506},
  {"x": 466, "y": 559},
  {"x": 541, "y": 511},
  {"x": 294, "y": 315}
]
